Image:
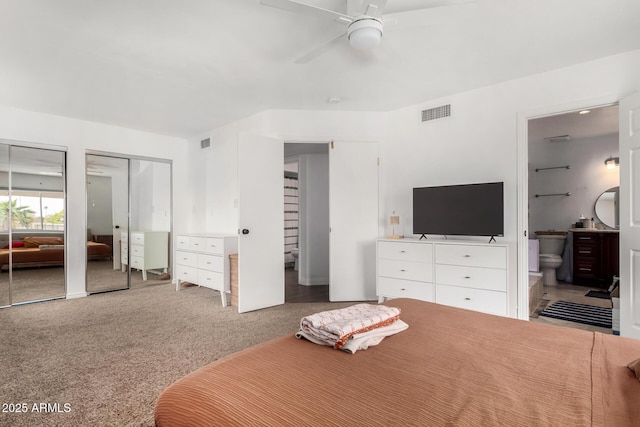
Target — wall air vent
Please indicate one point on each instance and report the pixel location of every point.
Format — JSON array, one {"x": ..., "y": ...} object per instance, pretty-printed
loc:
[
  {"x": 205, "y": 143},
  {"x": 559, "y": 138},
  {"x": 436, "y": 113}
]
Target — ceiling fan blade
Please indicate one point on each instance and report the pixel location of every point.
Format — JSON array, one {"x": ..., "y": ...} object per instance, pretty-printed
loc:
[
  {"x": 320, "y": 50},
  {"x": 409, "y": 5},
  {"x": 296, "y": 6}
]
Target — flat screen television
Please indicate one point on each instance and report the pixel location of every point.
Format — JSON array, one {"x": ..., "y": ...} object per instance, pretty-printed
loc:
[{"x": 459, "y": 210}]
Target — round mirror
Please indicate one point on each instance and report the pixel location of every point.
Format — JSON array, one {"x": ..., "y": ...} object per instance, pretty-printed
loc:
[{"x": 607, "y": 208}]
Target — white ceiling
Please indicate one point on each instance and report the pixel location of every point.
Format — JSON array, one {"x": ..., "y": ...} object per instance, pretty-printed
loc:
[
  {"x": 599, "y": 122},
  {"x": 185, "y": 67}
]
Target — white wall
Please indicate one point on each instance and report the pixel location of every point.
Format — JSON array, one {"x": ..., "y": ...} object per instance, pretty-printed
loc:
[
  {"x": 313, "y": 190},
  {"x": 78, "y": 136},
  {"x": 99, "y": 205},
  {"x": 213, "y": 171},
  {"x": 586, "y": 179},
  {"x": 478, "y": 143}
]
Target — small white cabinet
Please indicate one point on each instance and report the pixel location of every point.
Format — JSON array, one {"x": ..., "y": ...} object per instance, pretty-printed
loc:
[
  {"x": 463, "y": 274},
  {"x": 203, "y": 259},
  {"x": 148, "y": 250}
]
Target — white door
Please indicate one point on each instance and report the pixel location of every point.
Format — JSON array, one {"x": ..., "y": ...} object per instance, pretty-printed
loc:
[
  {"x": 353, "y": 218},
  {"x": 630, "y": 216},
  {"x": 261, "y": 222}
]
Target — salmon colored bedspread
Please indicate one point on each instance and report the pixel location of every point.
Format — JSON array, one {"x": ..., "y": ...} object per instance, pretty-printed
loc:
[{"x": 451, "y": 367}]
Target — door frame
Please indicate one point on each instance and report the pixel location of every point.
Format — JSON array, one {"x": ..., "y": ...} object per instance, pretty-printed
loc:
[{"x": 522, "y": 168}]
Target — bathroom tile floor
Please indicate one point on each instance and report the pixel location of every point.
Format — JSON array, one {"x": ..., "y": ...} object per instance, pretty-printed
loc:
[{"x": 568, "y": 292}]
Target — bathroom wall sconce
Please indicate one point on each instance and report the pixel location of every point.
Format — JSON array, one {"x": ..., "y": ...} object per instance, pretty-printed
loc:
[
  {"x": 612, "y": 162},
  {"x": 394, "y": 220}
]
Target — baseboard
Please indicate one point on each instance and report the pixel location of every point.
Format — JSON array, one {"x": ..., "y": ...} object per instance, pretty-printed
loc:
[
  {"x": 314, "y": 281},
  {"x": 77, "y": 295}
]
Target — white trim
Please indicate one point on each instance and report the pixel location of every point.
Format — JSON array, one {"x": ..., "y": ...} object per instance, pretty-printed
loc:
[
  {"x": 77, "y": 295},
  {"x": 523, "y": 118}
]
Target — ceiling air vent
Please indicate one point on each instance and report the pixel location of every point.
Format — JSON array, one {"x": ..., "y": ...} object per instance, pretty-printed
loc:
[
  {"x": 205, "y": 143},
  {"x": 559, "y": 138},
  {"x": 436, "y": 113}
]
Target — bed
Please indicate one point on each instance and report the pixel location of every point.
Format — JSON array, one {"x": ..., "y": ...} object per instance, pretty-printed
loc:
[
  {"x": 40, "y": 251},
  {"x": 450, "y": 367}
]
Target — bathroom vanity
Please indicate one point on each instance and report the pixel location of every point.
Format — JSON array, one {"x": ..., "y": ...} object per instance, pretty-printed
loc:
[{"x": 595, "y": 257}]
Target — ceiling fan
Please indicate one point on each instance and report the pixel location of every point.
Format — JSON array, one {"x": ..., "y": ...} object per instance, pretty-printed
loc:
[{"x": 363, "y": 20}]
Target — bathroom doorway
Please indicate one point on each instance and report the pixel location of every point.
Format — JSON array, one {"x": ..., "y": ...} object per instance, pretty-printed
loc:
[
  {"x": 306, "y": 228},
  {"x": 568, "y": 179}
]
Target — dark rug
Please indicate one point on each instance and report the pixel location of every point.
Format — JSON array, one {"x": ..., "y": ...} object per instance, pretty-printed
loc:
[
  {"x": 580, "y": 313},
  {"x": 598, "y": 294}
]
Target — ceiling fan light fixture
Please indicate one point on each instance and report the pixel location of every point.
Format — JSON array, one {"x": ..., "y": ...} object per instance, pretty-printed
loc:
[{"x": 365, "y": 33}]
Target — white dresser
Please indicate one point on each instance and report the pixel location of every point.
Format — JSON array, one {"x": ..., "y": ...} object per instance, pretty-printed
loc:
[
  {"x": 463, "y": 274},
  {"x": 203, "y": 259},
  {"x": 148, "y": 250}
]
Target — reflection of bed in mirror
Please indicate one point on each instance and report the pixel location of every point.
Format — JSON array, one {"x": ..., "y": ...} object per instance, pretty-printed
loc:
[{"x": 47, "y": 250}]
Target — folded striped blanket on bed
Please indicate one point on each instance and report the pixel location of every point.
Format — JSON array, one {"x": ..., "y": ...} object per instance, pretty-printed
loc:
[{"x": 335, "y": 327}]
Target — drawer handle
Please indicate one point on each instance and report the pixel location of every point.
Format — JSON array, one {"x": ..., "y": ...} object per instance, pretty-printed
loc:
[
  {"x": 402, "y": 289},
  {"x": 467, "y": 277},
  {"x": 585, "y": 269},
  {"x": 467, "y": 256},
  {"x": 584, "y": 252},
  {"x": 402, "y": 252},
  {"x": 584, "y": 238},
  {"x": 467, "y": 299},
  {"x": 403, "y": 270}
]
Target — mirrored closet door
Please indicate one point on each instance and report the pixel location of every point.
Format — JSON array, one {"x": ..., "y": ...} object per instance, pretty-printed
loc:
[
  {"x": 128, "y": 209},
  {"x": 32, "y": 224},
  {"x": 107, "y": 218}
]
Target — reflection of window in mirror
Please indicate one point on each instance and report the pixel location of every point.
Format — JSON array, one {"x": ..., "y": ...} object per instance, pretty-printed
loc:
[{"x": 607, "y": 208}]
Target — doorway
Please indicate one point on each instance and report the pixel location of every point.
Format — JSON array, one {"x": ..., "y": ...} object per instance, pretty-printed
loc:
[
  {"x": 306, "y": 230},
  {"x": 128, "y": 222},
  {"x": 568, "y": 180}
]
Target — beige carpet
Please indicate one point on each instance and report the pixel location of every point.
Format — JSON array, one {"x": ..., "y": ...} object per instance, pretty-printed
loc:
[{"x": 108, "y": 356}]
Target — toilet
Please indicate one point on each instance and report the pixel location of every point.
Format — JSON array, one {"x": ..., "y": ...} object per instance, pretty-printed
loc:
[
  {"x": 550, "y": 257},
  {"x": 294, "y": 254}
]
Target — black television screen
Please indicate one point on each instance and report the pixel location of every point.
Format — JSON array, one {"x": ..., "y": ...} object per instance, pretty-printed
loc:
[{"x": 459, "y": 210}]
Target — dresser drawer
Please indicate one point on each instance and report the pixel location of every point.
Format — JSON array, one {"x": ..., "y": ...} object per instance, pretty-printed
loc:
[
  {"x": 215, "y": 245},
  {"x": 197, "y": 243},
  {"x": 124, "y": 257},
  {"x": 580, "y": 238},
  {"x": 405, "y": 270},
  {"x": 471, "y": 255},
  {"x": 210, "y": 262},
  {"x": 404, "y": 251},
  {"x": 211, "y": 279},
  {"x": 492, "y": 279},
  {"x": 124, "y": 237},
  {"x": 398, "y": 288},
  {"x": 586, "y": 269},
  {"x": 585, "y": 251},
  {"x": 472, "y": 299},
  {"x": 187, "y": 258},
  {"x": 182, "y": 242},
  {"x": 186, "y": 273},
  {"x": 137, "y": 250},
  {"x": 137, "y": 262},
  {"x": 137, "y": 238}
]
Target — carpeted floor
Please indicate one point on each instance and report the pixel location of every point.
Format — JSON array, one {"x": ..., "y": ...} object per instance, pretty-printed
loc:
[{"x": 104, "y": 359}]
